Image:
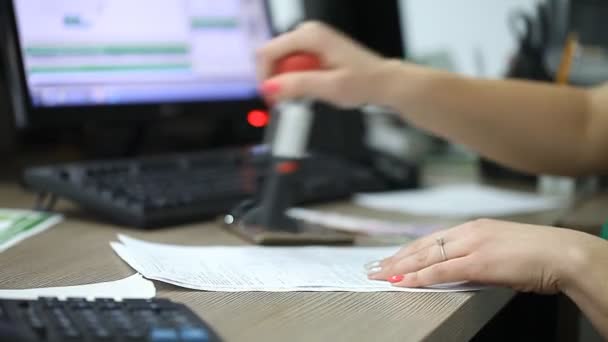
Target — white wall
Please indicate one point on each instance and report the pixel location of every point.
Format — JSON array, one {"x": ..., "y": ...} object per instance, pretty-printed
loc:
[
  {"x": 469, "y": 30},
  {"x": 286, "y": 13},
  {"x": 464, "y": 28}
]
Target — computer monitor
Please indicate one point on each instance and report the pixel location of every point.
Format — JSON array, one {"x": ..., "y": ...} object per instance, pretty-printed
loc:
[{"x": 96, "y": 60}]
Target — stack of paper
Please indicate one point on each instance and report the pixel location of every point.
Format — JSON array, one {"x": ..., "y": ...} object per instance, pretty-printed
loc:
[
  {"x": 237, "y": 269},
  {"x": 18, "y": 225},
  {"x": 363, "y": 225},
  {"x": 460, "y": 201}
]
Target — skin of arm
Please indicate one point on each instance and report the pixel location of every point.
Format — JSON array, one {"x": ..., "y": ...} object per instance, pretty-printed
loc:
[
  {"x": 529, "y": 126},
  {"x": 587, "y": 284}
]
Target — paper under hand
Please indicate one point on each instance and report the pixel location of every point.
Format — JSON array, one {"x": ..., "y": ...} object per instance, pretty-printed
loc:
[
  {"x": 362, "y": 225},
  {"x": 238, "y": 269}
]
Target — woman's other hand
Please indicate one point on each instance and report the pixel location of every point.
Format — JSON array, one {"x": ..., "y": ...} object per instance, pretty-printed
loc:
[{"x": 523, "y": 257}]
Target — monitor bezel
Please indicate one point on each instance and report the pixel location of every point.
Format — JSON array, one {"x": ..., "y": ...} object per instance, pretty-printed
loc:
[{"x": 37, "y": 116}]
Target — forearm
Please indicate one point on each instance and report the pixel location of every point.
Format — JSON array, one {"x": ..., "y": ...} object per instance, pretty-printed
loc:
[
  {"x": 587, "y": 284},
  {"x": 529, "y": 126}
]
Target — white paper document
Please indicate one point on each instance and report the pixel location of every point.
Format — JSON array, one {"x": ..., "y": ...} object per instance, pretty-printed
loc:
[
  {"x": 133, "y": 287},
  {"x": 460, "y": 201},
  {"x": 363, "y": 225},
  {"x": 268, "y": 269}
]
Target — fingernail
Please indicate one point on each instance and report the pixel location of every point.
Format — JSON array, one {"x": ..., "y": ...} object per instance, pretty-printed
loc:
[
  {"x": 270, "y": 87},
  {"x": 396, "y": 279},
  {"x": 371, "y": 265},
  {"x": 374, "y": 270}
]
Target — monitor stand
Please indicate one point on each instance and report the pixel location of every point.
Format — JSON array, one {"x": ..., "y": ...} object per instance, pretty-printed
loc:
[{"x": 7, "y": 130}]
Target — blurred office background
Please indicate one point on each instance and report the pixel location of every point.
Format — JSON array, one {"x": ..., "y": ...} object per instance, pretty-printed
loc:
[
  {"x": 470, "y": 32},
  {"x": 493, "y": 39},
  {"x": 473, "y": 37}
]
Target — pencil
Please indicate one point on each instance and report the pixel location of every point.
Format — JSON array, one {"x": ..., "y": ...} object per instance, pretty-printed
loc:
[{"x": 568, "y": 55}]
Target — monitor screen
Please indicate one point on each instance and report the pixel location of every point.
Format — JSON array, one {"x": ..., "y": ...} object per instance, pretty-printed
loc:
[{"x": 121, "y": 52}]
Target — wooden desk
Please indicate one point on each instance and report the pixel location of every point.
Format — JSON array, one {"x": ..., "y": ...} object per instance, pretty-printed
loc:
[{"x": 77, "y": 252}]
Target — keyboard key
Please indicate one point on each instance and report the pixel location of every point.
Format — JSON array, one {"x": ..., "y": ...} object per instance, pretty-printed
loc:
[
  {"x": 135, "y": 335},
  {"x": 79, "y": 303},
  {"x": 107, "y": 304},
  {"x": 36, "y": 323},
  {"x": 102, "y": 334},
  {"x": 194, "y": 335},
  {"x": 163, "y": 335},
  {"x": 50, "y": 302},
  {"x": 71, "y": 333}
]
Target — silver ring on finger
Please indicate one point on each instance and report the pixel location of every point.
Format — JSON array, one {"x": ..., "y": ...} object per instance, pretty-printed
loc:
[{"x": 441, "y": 244}]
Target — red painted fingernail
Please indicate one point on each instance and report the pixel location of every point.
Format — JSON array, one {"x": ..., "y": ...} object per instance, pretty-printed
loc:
[
  {"x": 270, "y": 87},
  {"x": 396, "y": 279}
]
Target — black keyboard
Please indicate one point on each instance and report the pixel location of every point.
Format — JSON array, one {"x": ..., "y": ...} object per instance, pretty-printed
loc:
[
  {"x": 79, "y": 320},
  {"x": 169, "y": 190}
]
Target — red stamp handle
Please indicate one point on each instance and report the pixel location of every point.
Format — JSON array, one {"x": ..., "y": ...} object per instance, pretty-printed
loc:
[{"x": 298, "y": 62}]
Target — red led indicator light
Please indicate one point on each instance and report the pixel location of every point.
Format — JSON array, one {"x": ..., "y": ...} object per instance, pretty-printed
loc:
[
  {"x": 288, "y": 167},
  {"x": 258, "y": 118}
]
